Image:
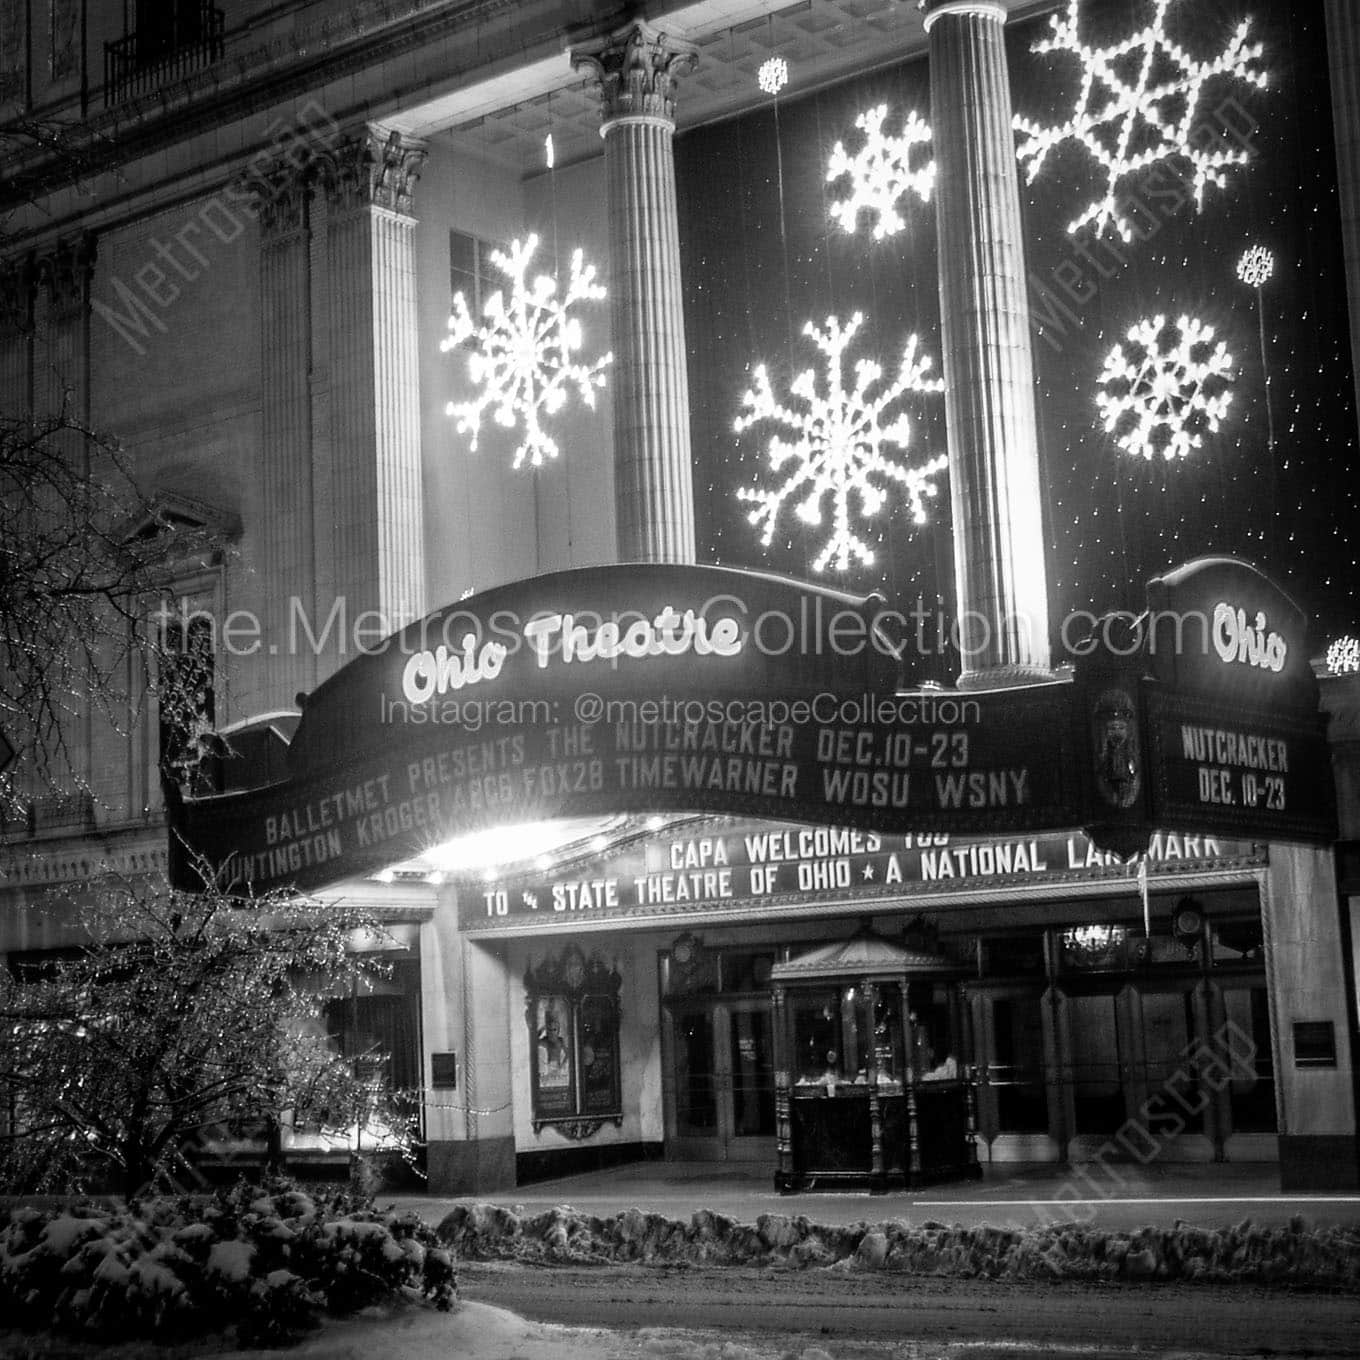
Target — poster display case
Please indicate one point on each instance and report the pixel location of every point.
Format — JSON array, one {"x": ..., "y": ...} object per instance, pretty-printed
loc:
[{"x": 872, "y": 1084}]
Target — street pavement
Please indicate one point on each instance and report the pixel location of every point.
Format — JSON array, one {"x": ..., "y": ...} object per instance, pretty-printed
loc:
[{"x": 1109, "y": 1196}]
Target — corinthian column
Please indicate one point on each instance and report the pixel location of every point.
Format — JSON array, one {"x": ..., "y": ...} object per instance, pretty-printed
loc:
[
  {"x": 636, "y": 68},
  {"x": 369, "y": 516},
  {"x": 286, "y": 430},
  {"x": 988, "y": 364}
]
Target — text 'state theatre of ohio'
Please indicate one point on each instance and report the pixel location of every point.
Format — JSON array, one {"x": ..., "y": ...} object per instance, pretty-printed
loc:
[{"x": 801, "y": 555}]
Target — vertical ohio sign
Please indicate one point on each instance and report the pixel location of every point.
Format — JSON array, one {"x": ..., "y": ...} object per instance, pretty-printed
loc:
[{"x": 1235, "y": 741}]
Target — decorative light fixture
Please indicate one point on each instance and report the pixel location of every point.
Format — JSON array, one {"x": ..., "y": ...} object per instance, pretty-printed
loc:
[
  {"x": 1255, "y": 266},
  {"x": 523, "y": 354},
  {"x": 773, "y": 75},
  {"x": 840, "y": 442},
  {"x": 1171, "y": 386},
  {"x": 1138, "y": 106},
  {"x": 549, "y": 155},
  {"x": 1343, "y": 655},
  {"x": 881, "y": 172}
]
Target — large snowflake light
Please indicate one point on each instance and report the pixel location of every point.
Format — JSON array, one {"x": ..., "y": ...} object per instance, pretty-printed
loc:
[
  {"x": 837, "y": 452},
  {"x": 882, "y": 171},
  {"x": 1139, "y": 104},
  {"x": 1167, "y": 389},
  {"x": 524, "y": 352}
]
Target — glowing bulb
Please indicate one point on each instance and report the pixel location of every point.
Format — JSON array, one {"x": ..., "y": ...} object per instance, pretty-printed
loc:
[
  {"x": 773, "y": 75},
  {"x": 548, "y": 154}
]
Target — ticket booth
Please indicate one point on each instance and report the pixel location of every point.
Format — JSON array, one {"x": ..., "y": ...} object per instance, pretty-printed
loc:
[{"x": 874, "y": 1082}]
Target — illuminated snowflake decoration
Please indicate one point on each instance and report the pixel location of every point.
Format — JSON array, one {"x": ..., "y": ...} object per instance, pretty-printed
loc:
[
  {"x": 1139, "y": 105},
  {"x": 1255, "y": 266},
  {"x": 882, "y": 171},
  {"x": 1343, "y": 656},
  {"x": 524, "y": 353},
  {"x": 837, "y": 452},
  {"x": 773, "y": 75},
  {"x": 1167, "y": 389}
]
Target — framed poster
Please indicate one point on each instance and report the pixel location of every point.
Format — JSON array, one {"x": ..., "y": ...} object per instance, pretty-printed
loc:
[{"x": 572, "y": 1010}]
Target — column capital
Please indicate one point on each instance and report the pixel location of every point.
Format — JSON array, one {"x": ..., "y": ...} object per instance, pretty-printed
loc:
[
  {"x": 280, "y": 190},
  {"x": 16, "y": 293},
  {"x": 636, "y": 68},
  {"x": 373, "y": 167},
  {"x": 932, "y": 10},
  {"x": 65, "y": 269}
]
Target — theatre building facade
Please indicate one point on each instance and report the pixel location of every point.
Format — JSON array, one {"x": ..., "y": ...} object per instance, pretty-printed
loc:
[{"x": 243, "y": 263}]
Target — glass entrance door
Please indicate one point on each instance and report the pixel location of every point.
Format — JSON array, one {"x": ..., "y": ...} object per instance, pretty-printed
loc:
[{"x": 720, "y": 1104}]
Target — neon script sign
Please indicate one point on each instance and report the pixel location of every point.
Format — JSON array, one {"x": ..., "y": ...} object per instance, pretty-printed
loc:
[
  {"x": 1236, "y": 640},
  {"x": 567, "y": 640}
]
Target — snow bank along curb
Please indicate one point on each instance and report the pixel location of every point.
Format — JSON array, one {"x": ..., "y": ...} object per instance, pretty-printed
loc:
[
  {"x": 265, "y": 1262},
  {"x": 1297, "y": 1255}
]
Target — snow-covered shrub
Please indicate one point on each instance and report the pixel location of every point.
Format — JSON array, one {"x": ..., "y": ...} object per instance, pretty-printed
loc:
[
  {"x": 1295, "y": 1255},
  {"x": 266, "y": 1261}
]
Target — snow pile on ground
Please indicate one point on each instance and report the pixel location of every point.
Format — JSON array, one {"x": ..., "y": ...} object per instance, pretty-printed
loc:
[
  {"x": 268, "y": 1262},
  {"x": 1296, "y": 1255}
]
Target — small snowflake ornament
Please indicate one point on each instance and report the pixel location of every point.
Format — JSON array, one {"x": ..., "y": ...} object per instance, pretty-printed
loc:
[
  {"x": 837, "y": 452},
  {"x": 524, "y": 353},
  {"x": 1255, "y": 266},
  {"x": 882, "y": 171},
  {"x": 1167, "y": 389},
  {"x": 1139, "y": 105},
  {"x": 1343, "y": 655}
]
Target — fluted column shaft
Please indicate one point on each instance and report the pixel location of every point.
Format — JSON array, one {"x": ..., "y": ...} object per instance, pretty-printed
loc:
[
  {"x": 653, "y": 474},
  {"x": 286, "y": 430},
  {"x": 988, "y": 364},
  {"x": 369, "y": 529},
  {"x": 1343, "y": 53}
]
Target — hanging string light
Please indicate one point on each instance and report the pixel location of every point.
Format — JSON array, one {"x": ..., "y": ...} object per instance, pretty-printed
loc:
[
  {"x": 1255, "y": 267},
  {"x": 773, "y": 75}
]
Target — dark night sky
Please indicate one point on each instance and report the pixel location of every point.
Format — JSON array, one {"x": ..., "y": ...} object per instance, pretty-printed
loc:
[{"x": 1111, "y": 519}]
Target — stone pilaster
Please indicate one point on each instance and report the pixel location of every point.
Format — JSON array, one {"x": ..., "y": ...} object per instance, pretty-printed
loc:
[
  {"x": 636, "y": 69},
  {"x": 288, "y": 557},
  {"x": 988, "y": 364},
  {"x": 16, "y": 336},
  {"x": 368, "y": 531},
  {"x": 62, "y": 329}
]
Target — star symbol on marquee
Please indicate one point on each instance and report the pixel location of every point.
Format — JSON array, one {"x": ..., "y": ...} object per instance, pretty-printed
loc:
[
  {"x": 868, "y": 873},
  {"x": 841, "y": 439},
  {"x": 1140, "y": 104}
]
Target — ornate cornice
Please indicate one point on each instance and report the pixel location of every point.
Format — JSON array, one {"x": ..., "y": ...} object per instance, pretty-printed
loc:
[
  {"x": 65, "y": 270},
  {"x": 636, "y": 68},
  {"x": 373, "y": 168}
]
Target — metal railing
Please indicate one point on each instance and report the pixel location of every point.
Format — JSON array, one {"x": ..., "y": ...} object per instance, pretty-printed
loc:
[{"x": 147, "y": 59}]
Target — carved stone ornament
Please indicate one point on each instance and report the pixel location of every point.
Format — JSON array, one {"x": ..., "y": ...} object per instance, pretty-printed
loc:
[
  {"x": 65, "y": 271},
  {"x": 636, "y": 68},
  {"x": 281, "y": 193},
  {"x": 16, "y": 294},
  {"x": 373, "y": 168}
]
